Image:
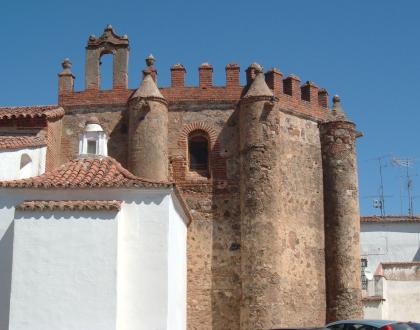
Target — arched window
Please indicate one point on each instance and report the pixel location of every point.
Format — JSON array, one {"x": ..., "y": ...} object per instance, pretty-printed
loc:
[
  {"x": 106, "y": 74},
  {"x": 198, "y": 152},
  {"x": 25, "y": 166}
]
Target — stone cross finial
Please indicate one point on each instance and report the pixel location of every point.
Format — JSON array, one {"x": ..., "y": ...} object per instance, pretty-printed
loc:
[
  {"x": 150, "y": 60},
  {"x": 337, "y": 111},
  {"x": 66, "y": 77},
  {"x": 66, "y": 63}
]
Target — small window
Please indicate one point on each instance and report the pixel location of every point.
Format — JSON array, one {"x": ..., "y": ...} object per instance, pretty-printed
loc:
[
  {"x": 25, "y": 160},
  {"x": 25, "y": 166},
  {"x": 91, "y": 147},
  {"x": 198, "y": 149}
]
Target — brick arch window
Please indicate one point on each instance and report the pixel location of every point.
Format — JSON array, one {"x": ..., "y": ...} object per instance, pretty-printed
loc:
[
  {"x": 198, "y": 152},
  {"x": 201, "y": 149}
]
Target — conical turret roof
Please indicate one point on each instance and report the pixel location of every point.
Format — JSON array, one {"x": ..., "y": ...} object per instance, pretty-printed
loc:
[
  {"x": 337, "y": 110},
  {"x": 259, "y": 87},
  {"x": 148, "y": 88}
]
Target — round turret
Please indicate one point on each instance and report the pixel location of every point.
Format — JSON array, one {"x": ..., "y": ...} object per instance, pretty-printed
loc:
[
  {"x": 342, "y": 217},
  {"x": 148, "y": 132}
]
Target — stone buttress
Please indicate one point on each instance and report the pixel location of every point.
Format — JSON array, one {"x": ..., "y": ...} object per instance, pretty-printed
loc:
[
  {"x": 342, "y": 218},
  {"x": 148, "y": 131}
]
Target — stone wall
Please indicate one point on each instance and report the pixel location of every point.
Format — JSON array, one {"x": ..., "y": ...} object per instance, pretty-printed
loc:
[
  {"x": 148, "y": 139},
  {"x": 214, "y": 236},
  {"x": 283, "y": 268},
  {"x": 342, "y": 220}
]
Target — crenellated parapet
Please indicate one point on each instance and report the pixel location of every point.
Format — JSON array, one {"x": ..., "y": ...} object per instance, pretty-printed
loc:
[{"x": 293, "y": 96}]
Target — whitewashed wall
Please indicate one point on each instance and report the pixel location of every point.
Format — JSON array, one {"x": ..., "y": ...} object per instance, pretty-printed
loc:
[
  {"x": 177, "y": 264},
  {"x": 10, "y": 163},
  {"x": 390, "y": 242},
  {"x": 64, "y": 271},
  {"x": 403, "y": 300},
  {"x": 151, "y": 255},
  {"x": 399, "y": 286}
]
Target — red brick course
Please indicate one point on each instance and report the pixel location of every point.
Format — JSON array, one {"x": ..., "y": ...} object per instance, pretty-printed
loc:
[{"x": 69, "y": 205}]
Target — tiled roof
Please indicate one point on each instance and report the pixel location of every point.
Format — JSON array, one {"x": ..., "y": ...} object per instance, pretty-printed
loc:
[
  {"x": 373, "y": 299},
  {"x": 48, "y": 111},
  {"x": 389, "y": 219},
  {"x": 21, "y": 141},
  {"x": 70, "y": 205},
  {"x": 87, "y": 172},
  {"x": 390, "y": 264}
]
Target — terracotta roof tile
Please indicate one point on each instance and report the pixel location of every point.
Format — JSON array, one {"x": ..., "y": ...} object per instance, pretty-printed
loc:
[
  {"x": 391, "y": 264},
  {"x": 87, "y": 172},
  {"x": 70, "y": 205},
  {"x": 373, "y": 299},
  {"x": 389, "y": 219},
  {"x": 21, "y": 141},
  {"x": 48, "y": 111}
]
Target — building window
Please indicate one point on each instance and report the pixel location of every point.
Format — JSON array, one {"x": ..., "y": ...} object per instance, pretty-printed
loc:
[
  {"x": 25, "y": 166},
  {"x": 363, "y": 264},
  {"x": 198, "y": 152},
  {"x": 91, "y": 147}
]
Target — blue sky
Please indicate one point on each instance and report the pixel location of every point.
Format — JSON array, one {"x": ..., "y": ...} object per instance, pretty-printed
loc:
[{"x": 368, "y": 52}]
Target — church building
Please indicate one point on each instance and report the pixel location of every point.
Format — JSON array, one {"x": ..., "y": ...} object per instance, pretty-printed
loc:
[{"x": 206, "y": 207}]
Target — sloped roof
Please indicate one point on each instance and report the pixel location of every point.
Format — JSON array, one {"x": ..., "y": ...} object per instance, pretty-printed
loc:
[
  {"x": 87, "y": 172},
  {"x": 389, "y": 219},
  {"x": 69, "y": 205},
  {"x": 148, "y": 89},
  {"x": 48, "y": 111},
  {"x": 10, "y": 141},
  {"x": 258, "y": 87}
]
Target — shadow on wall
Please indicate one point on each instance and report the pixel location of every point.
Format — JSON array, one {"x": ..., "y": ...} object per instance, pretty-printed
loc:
[
  {"x": 417, "y": 255},
  {"x": 6, "y": 255}
]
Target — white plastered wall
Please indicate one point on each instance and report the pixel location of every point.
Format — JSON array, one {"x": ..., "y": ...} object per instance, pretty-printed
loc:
[
  {"x": 10, "y": 163},
  {"x": 390, "y": 242},
  {"x": 64, "y": 271},
  {"x": 403, "y": 300},
  {"x": 152, "y": 265},
  {"x": 151, "y": 255}
]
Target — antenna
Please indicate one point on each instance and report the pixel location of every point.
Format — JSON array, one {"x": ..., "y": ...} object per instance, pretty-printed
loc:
[
  {"x": 406, "y": 162},
  {"x": 379, "y": 202}
]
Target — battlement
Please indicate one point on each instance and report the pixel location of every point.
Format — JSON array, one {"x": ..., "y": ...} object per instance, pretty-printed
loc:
[{"x": 306, "y": 98}]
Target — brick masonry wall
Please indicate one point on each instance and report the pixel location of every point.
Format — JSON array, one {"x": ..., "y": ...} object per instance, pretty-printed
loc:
[
  {"x": 113, "y": 121},
  {"x": 214, "y": 234},
  {"x": 191, "y": 93},
  {"x": 54, "y": 130}
]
